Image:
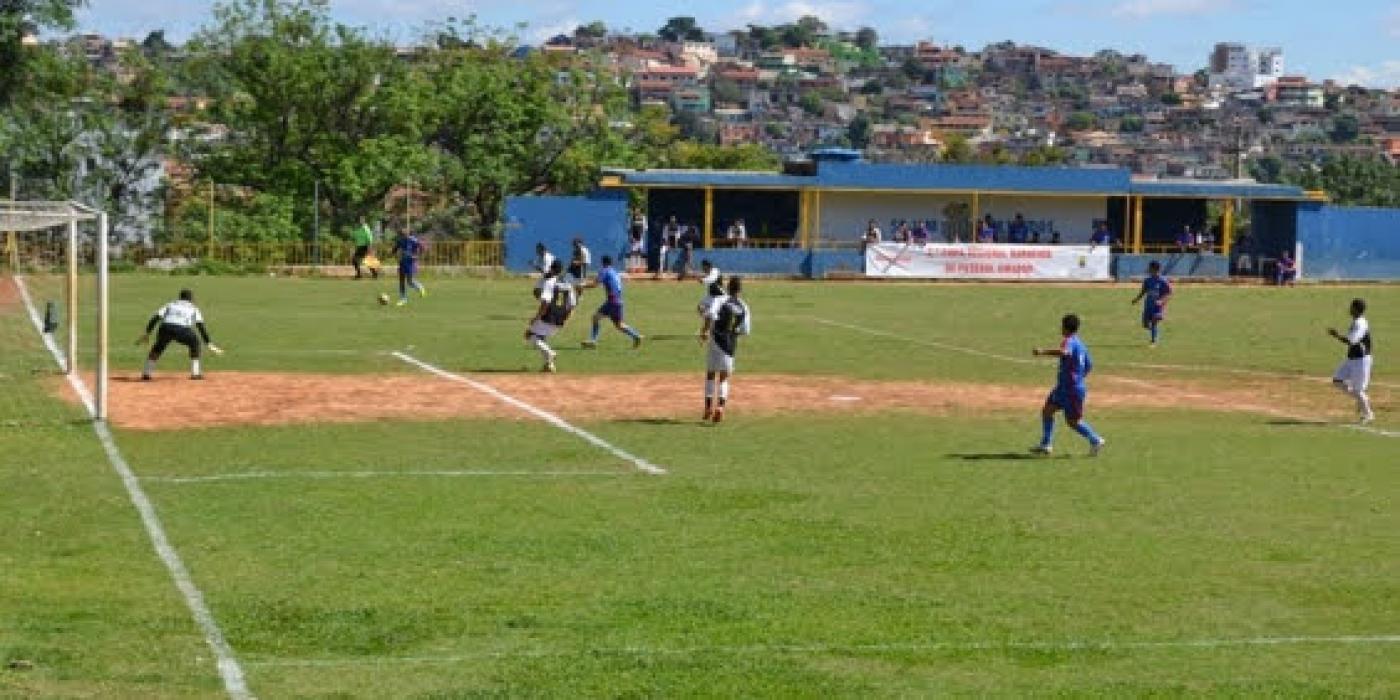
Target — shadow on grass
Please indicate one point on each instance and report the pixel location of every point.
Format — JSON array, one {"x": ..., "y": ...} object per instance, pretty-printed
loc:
[
  {"x": 671, "y": 338},
  {"x": 1002, "y": 456},
  {"x": 659, "y": 421},
  {"x": 1298, "y": 423}
]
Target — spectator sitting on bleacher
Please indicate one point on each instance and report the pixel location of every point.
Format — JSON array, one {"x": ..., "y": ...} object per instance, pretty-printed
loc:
[
  {"x": 1185, "y": 239},
  {"x": 1055, "y": 238},
  {"x": 988, "y": 231},
  {"x": 1102, "y": 236},
  {"x": 1287, "y": 270},
  {"x": 1018, "y": 231},
  {"x": 872, "y": 233},
  {"x": 919, "y": 236},
  {"x": 901, "y": 233}
]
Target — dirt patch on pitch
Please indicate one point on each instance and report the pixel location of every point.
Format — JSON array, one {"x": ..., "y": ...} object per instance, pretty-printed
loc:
[
  {"x": 9, "y": 296},
  {"x": 245, "y": 398}
]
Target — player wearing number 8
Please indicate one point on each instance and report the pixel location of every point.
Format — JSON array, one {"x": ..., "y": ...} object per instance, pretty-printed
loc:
[{"x": 178, "y": 321}]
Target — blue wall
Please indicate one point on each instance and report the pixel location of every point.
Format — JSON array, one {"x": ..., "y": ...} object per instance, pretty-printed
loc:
[
  {"x": 814, "y": 264},
  {"x": 1349, "y": 243},
  {"x": 600, "y": 220},
  {"x": 1127, "y": 267}
]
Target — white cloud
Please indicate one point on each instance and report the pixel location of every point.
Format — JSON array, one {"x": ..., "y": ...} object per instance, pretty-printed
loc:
[
  {"x": 1385, "y": 75},
  {"x": 841, "y": 14},
  {"x": 1145, "y": 9},
  {"x": 540, "y": 31}
]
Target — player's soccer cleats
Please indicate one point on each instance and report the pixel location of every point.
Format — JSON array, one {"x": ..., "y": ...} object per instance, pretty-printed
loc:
[
  {"x": 422, "y": 291},
  {"x": 1041, "y": 450},
  {"x": 197, "y": 377},
  {"x": 590, "y": 344},
  {"x": 549, "y": 368},
  {"x": 402, "y": 302},
  {"x": 637, "y": 342},
  {"x": 145, "y": 377},
  {"x": 1368, "y": 418},
  {"x": 709, "y": 413},
  {"x": 718, "y": 415},
  {"x": 1097, "y": 447}
]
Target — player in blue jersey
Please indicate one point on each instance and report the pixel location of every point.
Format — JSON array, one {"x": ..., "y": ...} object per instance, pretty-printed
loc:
[
  {"x": 408, "y": 247},
  {"x": 1155, "y": 292},
  {"x": 1070, "y": 388},
  {"x": 611, "y": 282}
]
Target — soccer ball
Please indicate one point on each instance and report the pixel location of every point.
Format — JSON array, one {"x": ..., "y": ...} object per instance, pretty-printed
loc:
[{"x": 383, "y": 299}]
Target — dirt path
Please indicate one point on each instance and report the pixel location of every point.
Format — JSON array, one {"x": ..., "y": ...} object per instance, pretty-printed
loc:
[{"x": 173, "y": 402}]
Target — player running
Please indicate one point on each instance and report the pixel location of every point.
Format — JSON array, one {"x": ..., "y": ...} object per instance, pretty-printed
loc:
[
  {"x": 580, "y": 261},
  {"x": 611, "y": 282},
  {"x": 1157, "y": 291},
  {"x": 1354, "y": 375},
  {"x": 726, "y": 319},
  {"x": 557, "y": 302},
  {"x": 178, "y": 321},
  {"x": 713, "y": 280},
  {"x": 1070, "y": 389},
  {"x": 408, "y": 247}
]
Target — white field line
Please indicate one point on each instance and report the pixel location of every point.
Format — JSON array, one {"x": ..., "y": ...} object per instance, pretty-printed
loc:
[
  {"x": 229, "y": 669},
  {"x": 642, "y": 651},
  {"x": 328, "y": 475},
  {"x": 1021, "y": 360},
  {"x": 78, "y": 387},
  {"x": 546, "y": 416}
]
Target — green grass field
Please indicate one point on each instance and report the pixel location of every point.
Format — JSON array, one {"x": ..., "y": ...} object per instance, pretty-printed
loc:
[{"x": 828, "y": 552}]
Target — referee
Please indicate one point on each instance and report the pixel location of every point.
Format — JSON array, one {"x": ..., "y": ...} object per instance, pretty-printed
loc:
[{"x": 178, "y": 321}]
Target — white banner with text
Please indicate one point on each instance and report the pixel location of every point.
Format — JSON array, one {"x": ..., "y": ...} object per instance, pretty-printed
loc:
[{"x": 988, "y": 262}]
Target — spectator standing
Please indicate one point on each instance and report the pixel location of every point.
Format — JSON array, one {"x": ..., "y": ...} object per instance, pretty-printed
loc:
[
  {"x": 1184, "y": 239},
  {"x": 902, "y": 233},
  {"x": 1019, "y": 231},
  {"x": 919, "y": 236},
  {"x": 872, "y": 235},
  {"x": 670, "y": 236},
  {"x": 1287, "y": 270},
  {"x": 737, "y": 234},
  {"x": 686, "y": 245},
  {"x": 1055, "y": 238},
  {"x": 988, "y": 231}
]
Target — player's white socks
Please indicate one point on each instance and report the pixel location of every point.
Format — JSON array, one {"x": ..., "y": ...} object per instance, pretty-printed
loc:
[
  {"x": 724, "y": 390},
  {"x": 709, "y": 388},
  {"x": 150, "y": 367},
  {"x": 194, "y": 368},
  {"x": 1363, "y": 403},
  {"x": 543, "y": 347}
]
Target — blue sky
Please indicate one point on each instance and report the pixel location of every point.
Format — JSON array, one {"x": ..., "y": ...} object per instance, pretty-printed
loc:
[{"x": 1352, "y": 40}]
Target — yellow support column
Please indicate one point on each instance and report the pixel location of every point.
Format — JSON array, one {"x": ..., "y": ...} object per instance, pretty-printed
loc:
[
  {"x": 1137, "y": 225},
  {"x": 804, "y": 216},
  {"x": 976, "y": 217},
  {"x": 709, "y": 217},
  {"x": 1227, "y": 228},
  {"x": 814, "y": 236}
]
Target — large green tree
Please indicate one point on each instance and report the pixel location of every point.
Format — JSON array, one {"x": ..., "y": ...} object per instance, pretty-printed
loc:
[
  {"x": 18, "y": 18},
  {"x": 309, "y": 104}
]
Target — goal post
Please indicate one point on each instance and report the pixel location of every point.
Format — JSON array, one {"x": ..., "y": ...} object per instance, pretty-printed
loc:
[{"x": 20, "y": 217}]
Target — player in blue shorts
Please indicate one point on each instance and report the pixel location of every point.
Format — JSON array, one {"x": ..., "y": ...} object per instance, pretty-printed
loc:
[
  {"x": 1070, "y": 388},
  {"x": 408, "y": 248},
  {"x": 1156, "y": 290},
  {"x": 611, "y": 282}
]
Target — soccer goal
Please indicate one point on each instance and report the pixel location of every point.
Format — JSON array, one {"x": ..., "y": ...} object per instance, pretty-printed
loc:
[{"x": 19, "y": 219}]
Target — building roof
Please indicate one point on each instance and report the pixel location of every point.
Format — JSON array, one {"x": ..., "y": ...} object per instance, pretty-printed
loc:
[{"x": 835, "y": 175}]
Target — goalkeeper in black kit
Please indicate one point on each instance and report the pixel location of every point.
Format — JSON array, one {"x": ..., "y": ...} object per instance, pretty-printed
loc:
[{"x": 178, "y": 321}]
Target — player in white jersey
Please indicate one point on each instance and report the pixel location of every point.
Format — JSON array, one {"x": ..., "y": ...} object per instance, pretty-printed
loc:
[
  {"x": 726, "y": 319},
  {"x": 178, "y": 321},
  {"x": 557, "y": 302},
  {"x": 713, "y": 281},
  {"x": 1354, "y": 374}
]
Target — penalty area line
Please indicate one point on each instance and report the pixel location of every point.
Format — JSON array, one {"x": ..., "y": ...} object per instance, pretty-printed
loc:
[
  {"x": 329, "y": 475},
  {"x": 229, "y": 669},
  {"x": 546, "y": 416},
  {"x": 892, "y": 647}
]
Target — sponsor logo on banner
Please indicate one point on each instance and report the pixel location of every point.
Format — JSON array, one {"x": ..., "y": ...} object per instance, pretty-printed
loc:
[{"x": 987, "y": 262}]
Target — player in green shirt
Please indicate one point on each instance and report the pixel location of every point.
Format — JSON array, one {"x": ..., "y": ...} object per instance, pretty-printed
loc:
[{"x": 364, "y": 240}]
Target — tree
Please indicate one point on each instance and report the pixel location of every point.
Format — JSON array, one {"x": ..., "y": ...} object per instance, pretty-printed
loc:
[
  {"x": 1267, "y": 169},
  {"x": 1345, "y": 129},
  {"x": 726, "y": 91},
  {"x": 156, "y": 46},
  {"x": 1353, "y": 181},
  {"x": 1080, "y": 121},
  {"x": 1131, "y": 124},
  {"x": 811, "y": 103},
  {"x": 956, "y": 149},
  {"x": 749, "y": 156},
  {"x": 681, "y": 29},
  {"x": 867, "y": 39},
  {"x": 858, "y": 132},
  {"x": 308, "y": 101},
  {"x": 17, "y": 19},
  {"x": 1171, "y": 99}
]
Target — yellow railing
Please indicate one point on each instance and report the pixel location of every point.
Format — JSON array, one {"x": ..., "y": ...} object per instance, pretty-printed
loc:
[{"x": 273, "y": 254}]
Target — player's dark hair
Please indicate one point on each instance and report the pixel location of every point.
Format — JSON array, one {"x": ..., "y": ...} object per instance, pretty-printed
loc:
[
  {"x": 1154, "y": 266},
  {"x": 556, "y": 267},
  {"x": 706, "y": 263},
  {"x": 186, "y": 295},
  {"x": 1070, "y": 323},
  {"x": 736, "y": 285},
  {"x": 1358, "y": 305}
]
